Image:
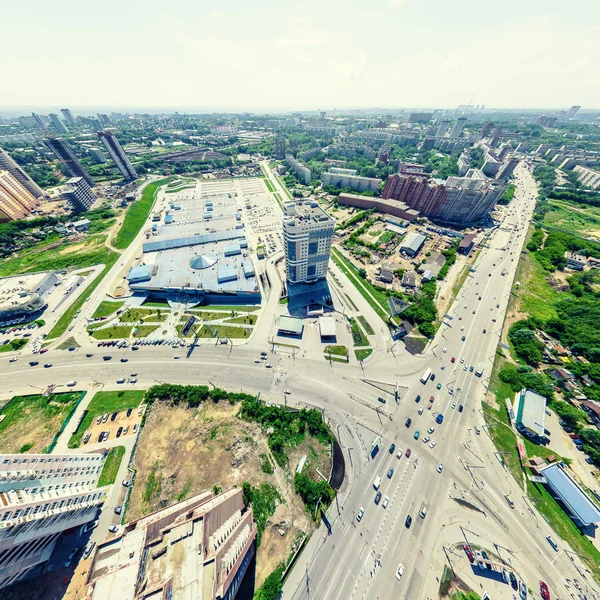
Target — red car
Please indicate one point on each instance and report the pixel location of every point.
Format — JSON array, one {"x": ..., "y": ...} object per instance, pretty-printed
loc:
[
  {"x": 484, "y": 330},
  {"x": 573, "y": 436},
  {"x": 469, "y": 553},
  {"x": 407, "y": 453},
  {"x": 431, "y": 399},
  {"x": 43, "y": 350},
  {"x": 544, "y": 591},
  {"x": 452, "y": 359}
]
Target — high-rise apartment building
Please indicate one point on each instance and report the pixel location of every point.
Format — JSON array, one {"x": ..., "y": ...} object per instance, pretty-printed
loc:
[
  {"x": 458, "y": 127},
  {"x": 97, "y": 155},
  {"x": 307, "y": 233},
  {"x": 68, "y": 117},
  {"x": 197, "y": 549},
  {"x": 496, "y": 135},
  {"x": 573, "y": 111},
  {"x": 68, "y": 159},
  {"x": 442, "y": 128},
  {"x": 16, "y": 202},
  {"x": 42, "y": 496},
  {"x": 355, "y": 182},
  {"x": 280, "y": 147},
  {"x": 79, "y": 194},
  {"x": 507, "y": 169},
  {"x": 588, "y": 177},
  {"x": 303, "y": 173},
  {"x": 58, "y": 125},
  {"x": 8, "y": 164},
  {"x": 420, "y": 117},
  {"x": 104, "y": 119},
  {"x": 40, "y": 121},
  {"x": 111, "y": 143},
  {"x": 486, "y": 129}
]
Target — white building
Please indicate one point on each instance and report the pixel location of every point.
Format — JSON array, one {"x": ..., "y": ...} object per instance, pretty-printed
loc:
[
  {"x": 588, "y": 177},
  {"x": 307, "y": 232},
  {"x": 42, "y": 496}
]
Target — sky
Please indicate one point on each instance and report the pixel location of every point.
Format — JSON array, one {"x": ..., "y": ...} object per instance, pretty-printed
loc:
[{"x": 312, "y": 54}]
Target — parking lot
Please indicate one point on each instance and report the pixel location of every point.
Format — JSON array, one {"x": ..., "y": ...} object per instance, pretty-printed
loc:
[{"x": 129, "y": 425}]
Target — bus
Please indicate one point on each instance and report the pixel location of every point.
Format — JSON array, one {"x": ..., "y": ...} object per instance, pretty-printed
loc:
[
  {"x": 426, "y": 376},
  {"x": 479, "y": 370}
]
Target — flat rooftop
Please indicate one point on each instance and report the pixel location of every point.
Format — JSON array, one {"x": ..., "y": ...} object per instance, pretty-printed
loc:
[
  {"x": 305, "y": 211},
  {"x": 531, "y": 411}
]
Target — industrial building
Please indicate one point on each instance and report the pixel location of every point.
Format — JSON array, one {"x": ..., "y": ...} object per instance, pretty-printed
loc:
[
  {"x": 580, "y": 507},
  {"x": 79, "y": 194},
  {"x": 413, "y": 243},
  {"x": 8, "y": 164},
  {"x": 15, "y": 200},
  {"x": 43, "y": 496},
  {"x": 111, "y": 143},
  {"x": 199, "y": 548},
  {"x": 530, "y": 412},
  {"x": 307, "y": 236},
  {"x": 199, "y": 253},
  {"x": 68, "y": 159},
  {"x": 25, "y": 295}
]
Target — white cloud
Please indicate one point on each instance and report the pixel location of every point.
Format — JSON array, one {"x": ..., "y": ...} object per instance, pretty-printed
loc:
[
  {"x": 351, "y": 70},
  {"x": 303, "y": 40}
]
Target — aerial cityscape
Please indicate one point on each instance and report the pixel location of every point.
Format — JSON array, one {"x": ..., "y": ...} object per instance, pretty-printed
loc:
[{"x": 277, "y": 323}]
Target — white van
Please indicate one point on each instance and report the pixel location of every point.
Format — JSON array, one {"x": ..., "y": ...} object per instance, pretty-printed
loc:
[{"x": 377, "y": 482}]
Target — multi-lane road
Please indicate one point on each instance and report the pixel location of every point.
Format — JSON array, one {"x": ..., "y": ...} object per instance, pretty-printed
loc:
[{"x": 360, "y": 559}]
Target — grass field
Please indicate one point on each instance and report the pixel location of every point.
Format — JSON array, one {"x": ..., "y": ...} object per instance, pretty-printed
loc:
[
  {"x": 144, "y": 330},
  {"x": 243, "y": 320},
  {"x": 111, "y": 466},
  {"x": 70, "y": 342},
  {"x": 106, "y": 308},
  {"x": 236, "y": 309},
  {"x": 206, "y": 315},
  {"x": 535, "y": 294},
  {"x": 269, "y": 185},
  {"x": 363, "y": 353},
  {"x": 358, "y": 336},
  {"x": 110, "y": 258},
  {"x": 31, "y": 422},
  {"x": 134, "y": 315},
  {"x": 106, "y": 402},
  {"x": 571, "y": 217},
  {"x": 137, "y": 214},
  {"x": 224, "y": 331},
  {"x": 111, "y": 333},
  {"x": 282, "y": 184},
  {"x": 14, "y": 345},
  {"x": 366, "y": 326},
  {"x": 279, "y": 200},
  {"x": 341, "y": 351}
]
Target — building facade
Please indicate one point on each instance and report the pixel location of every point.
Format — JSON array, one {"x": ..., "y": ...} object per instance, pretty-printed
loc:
[
  {"x": 355, "y": 182},
  {"x": 307, "y": 236},
  {"x": 16, "y": 202},
  {"x": 588, "y": 177},
  {"x": 302, "y": 173},
  {"x": 68, "y": 116},
  {"x": 58, "y": 125},
  {"x": 8, "y": 164},
  {"x": 280, "y": 147},
  {"x": 79, "y": 194},
  {"x": 42, "y": 496},
  {"x": 199, "y": 548},
  {"x": 111, "y": 143},
  {"x": 458, "y": 127},
  {"x": 68, "y": 159}
]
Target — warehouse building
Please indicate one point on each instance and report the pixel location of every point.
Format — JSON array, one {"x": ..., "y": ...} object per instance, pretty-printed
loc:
[{"x": 413, "y": 243}]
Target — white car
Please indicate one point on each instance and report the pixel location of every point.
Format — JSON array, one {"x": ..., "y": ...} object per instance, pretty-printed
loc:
[
  {"x": 287, "y": 391},
  {"x": 462, "y": 360},
  {"x": 426, "y": 439},
  {"x": 443, "y": 367},
  {"x": 432, "y": 445},
  {"x": 361, "y": 512},
  {"x": 385, "y": 502},
  {"x": 420, "y": 411},
  {"x": 400, "y": 572},
  {"x": 71, "y": 383},
  {"x": 431, "y": 430},
  {"x": 257, "y": 360},
  {"x": 444, "y": 350},
  {"x": 399, "y": 453},
  {"x": 454, "y": 405},
  {"x": 176, "y": 357},
  {"x": 13, "y": 359},
  {"x": 269, "y": 366},
  {"x": 440, "y": 468}
]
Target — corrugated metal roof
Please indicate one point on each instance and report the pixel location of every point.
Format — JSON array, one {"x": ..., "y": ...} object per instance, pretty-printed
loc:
[
  {"x": 571, "y": 495},
  {"x": 531, "y": 411},
  {"x": 226, "y": 273},
  {"x": 193, "y": 240},
  {"x": 413, "y": 241}
]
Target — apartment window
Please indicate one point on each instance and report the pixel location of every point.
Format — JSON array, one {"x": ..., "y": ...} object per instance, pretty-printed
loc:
[
  {"x": 6, "y": 515},
  {"x": 17, "y": 513},
  {"x": 311, "y": 271},
  {"x": 37, "y": 509},
  {"x": 46, "y": 507},
  {"x": 6, "y": 461},
  {"x": 313, "y": 248},
  {"x": 27, "y": 511}
]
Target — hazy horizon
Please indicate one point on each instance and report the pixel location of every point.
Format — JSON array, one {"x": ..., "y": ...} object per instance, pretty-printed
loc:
[{"x": 275, "y": 57}]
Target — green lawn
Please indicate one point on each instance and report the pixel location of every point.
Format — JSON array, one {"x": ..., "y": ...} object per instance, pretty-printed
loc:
[
  {"x": 358, "y": 336},
  {"x": 287, "y": 192},
  {"x": 157, "y": 303},
  {"x": 243, "y": 320},
  {"x": 145, "y": 330},
  {"x": 111, "y": 466},
  {"x": 535, "y": 294},
  {"x": 14, "y": 345},
  {"x": 206, "y": 315},
  {"x": 224, "y": 331},
  {"x": 106, "y": 308},
  {"x": 237, "y": 309},
  {"x": 571, "y": 217},
  {"x": 363, "y": 353},
  {"x": 137, "y": 214},
  {"x": 133, "y": 315},
  {"x": 111, "y": 332},
  {"x": 269, "y": 185},
  {"x": 336, "y": 350},
  {"x": 110, "y": 258},
  {"x": 70, "y": 342},
  {"x": 279, "y": 200},
  {"x": 106, "y": 402},
  {"x": 376, "y": 299},
  {"x": 31, "y": 422},
  {"x": 366, "y": 326}
]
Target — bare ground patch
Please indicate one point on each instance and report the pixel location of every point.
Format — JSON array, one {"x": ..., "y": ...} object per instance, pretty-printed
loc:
[{"x": 184, "y": 451}]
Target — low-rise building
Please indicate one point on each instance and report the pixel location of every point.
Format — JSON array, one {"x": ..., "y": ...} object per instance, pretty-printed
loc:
[
  {"x": 413, "y": 243},
  {"x": 389, "y": 207},
  {"x": 530, "y": 412},
  {"x": 466, "y": 244},
  {"x": 409, "y": 279},
  {"x": 25, "y": 295},
  {"x": 575, "y": 261}
]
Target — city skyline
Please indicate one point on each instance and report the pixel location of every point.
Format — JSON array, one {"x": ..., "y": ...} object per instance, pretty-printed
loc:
[{"x": 331, "y": 55}]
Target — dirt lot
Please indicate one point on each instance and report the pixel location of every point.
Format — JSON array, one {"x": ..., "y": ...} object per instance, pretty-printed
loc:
[
  {"x": 184, "y": 451},
  {"x": 121, "y": 420}
]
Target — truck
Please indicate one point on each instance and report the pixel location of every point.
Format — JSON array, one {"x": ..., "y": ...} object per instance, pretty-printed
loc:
[
  {"x": 425, "y": 377},
  {"x": 479, "y": 370}
]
